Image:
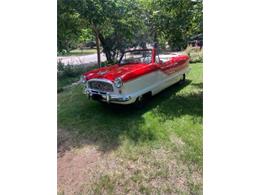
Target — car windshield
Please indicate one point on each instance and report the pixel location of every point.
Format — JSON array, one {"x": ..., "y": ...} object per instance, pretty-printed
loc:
[{"x": 136, "y": 56}]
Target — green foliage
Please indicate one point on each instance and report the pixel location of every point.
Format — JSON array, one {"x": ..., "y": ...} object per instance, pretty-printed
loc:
[
  {"x": 196, "y": 57},
  {"x": 126, "y": 29},
  {"x": 86, "y": 35},
  {"x": 71, "y": 28},
  {"x": 120, "y": 24},
  {"x": 180, "y": 27},
  {"x": 68, "y": 74},
  {"x": 195, "y": 54},
  {"x": 175, "y": 20}
]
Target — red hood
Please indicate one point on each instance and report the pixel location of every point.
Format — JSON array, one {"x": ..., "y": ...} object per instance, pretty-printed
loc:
[{"x": 126, "y": 72}]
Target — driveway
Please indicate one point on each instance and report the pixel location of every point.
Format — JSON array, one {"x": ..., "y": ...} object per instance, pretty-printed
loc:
[{"x": 81, "y": 60}]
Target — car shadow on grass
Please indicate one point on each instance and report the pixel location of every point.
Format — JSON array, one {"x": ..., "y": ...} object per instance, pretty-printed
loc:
[{"x": 106, "y": 125}]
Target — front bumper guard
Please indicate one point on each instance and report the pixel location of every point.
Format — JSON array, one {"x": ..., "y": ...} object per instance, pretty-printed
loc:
[{"x": 106, "y": 96}]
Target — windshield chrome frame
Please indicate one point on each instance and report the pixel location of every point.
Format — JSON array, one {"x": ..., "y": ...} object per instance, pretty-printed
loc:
[{"x": 129, "y": 51}]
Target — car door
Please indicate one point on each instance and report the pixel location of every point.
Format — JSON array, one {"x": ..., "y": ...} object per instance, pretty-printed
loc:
[{"x": 167, "y": 67}]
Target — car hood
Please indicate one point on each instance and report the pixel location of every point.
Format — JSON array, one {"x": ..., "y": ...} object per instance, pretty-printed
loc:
[{"x": 125, "y": 72}]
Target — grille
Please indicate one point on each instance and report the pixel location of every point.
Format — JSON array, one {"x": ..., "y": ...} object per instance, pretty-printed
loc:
[{"x": 100, "y": 85}]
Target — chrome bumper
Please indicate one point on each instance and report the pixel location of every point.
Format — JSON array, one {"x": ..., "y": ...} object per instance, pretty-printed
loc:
[{"x": 106, "y": 96}]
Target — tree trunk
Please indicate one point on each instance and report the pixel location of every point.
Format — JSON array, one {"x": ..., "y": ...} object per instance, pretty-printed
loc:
[
  {"x": 106, "y": 48},
  {"x": 98, "y": 49}
]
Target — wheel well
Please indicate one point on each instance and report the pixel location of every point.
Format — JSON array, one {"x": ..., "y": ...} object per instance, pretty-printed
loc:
[
  {"x": 147, "y": 95},
  {"x": 144, "y": 96},
  {"x": 140, "y": 99}
]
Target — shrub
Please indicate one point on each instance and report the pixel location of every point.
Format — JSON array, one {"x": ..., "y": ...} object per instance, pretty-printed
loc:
[
  {"x": 65, "y": 71},
  {"x": 68, "y": 74},
  {"x": 60, "y": 66},
  {"x": 195, "y": 54}
]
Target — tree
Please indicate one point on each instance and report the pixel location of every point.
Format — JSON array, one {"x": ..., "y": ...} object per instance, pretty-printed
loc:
[
  {"x": 95, "y": 13},
  {"x": 126, "y": 28},
  {"x": 118, "y": 24},
  {"x": 69, "y": 27},
  {"x": 174, "y": 21}
]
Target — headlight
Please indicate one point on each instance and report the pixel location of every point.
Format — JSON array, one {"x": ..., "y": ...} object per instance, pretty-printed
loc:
[{"x": 118, "y": 82}]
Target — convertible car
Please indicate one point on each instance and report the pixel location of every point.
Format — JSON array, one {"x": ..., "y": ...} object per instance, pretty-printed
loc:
[{"x": 138, "y": 74}]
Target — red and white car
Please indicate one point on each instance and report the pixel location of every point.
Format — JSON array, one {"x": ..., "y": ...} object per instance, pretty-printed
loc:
[{"x": 139, "y": 73}]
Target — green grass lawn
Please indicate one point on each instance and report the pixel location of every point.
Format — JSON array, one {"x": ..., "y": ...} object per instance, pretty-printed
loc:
[
  {"x": 162, "y": 142},
  {"x": 79, "y": 52},
  {"x": 67, "y": 81}
]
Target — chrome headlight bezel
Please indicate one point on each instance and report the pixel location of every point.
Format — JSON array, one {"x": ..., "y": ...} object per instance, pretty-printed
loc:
[{"x": 118, "y": 82}]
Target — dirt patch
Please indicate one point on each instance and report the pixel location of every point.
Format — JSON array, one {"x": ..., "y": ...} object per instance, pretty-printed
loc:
[
  {"x": 75, "y": 168},
  {"x": 64, "y": 141},
  {"x": 75, "y": 165},
  {"x": 87, "y": 170}
]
